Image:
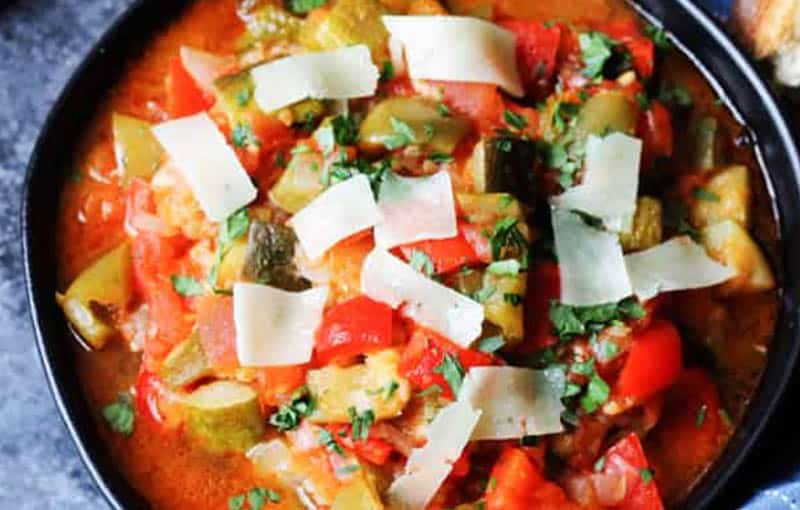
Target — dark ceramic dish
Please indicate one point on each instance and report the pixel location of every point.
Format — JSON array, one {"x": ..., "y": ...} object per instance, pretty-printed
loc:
[{"x": 726, "y": 67}]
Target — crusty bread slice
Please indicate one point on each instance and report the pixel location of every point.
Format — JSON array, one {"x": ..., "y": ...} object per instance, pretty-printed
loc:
[{"x": 771, "y": 29}]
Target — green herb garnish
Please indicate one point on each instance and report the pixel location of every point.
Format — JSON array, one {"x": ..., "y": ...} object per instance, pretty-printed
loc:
[{"x": 120, "y": 415}]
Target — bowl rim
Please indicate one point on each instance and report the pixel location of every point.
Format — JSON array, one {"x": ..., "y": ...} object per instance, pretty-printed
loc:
[{"x": 776, "y": 374}]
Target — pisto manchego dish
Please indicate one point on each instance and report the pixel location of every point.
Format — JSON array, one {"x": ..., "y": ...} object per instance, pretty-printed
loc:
[{"x": 406, "y": 255}]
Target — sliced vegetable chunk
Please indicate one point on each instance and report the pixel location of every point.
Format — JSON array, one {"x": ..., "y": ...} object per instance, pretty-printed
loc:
[
  {"x": 357, "y": 326},
  {"x": 136, "y": 149}
]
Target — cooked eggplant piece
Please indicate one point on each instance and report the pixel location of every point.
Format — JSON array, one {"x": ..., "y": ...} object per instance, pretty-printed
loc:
[
  {"x": 97, "y": 294},
  {"x": 432, "y": 130},
  {"x": 647, "y": 227},
  {"x": 606, "y": 112},
  {"x": 269, "y": 257},
  {"x": 505, "y": 164},
  {"x": 348, "y": 23},
  {"x": 504, "y": 305},
  {"x": 376, "y": 382},
  {"x": 137, "y": 151},
  {"x": 186, "y": 364},
  {"x": 300, "y": 183},
  {"x": 225, "y": 416},
  {"x": 729, "y": 243},
  {"x": 726, "y": 196}
]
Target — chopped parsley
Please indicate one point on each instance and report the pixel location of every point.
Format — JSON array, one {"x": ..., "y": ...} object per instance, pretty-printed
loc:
[
  {"x": 705, "y": 195},
  {"x": 597, "y": 392},
  {"x": 120, "y": 415},
  {"x": 569, "y": 321},
  {"x": 360, "y": 423},
  {"x": 257, "y": 497},
  {"x": 675, "y": 95},
  {"x": 515, "y": 120},
  {"x": 600, "y": 464},
  {"x": 484, "y": 293},
  {"x": 327, "y": 440},
  {"x": 491, "y": 344},
  {"x": 646, "y": 474},
  {"x": 643, "y": 101},
  {"x": 512, "y": 298},
  {"x": 604, "y": 349},
  {"x": 432, "y": 390},
  {"x": 676, "y": 216},
  {"x": 303, "y": 6},
  {"x": 452, "y": 371},
  {"x": 289, "y": 415},
  {"x": 345, "y": 130},
  {"x": 508, "y": 238},
  {"x": 242, "y": 136},
  {"x": 563, "y": 114},
  {"x": 387, "y": 71},
  {"x": 596, "y": 51},
  {"x": 420, "y": 261},
  {"x": 236, "y": 502},
  {"x": 658, "y": 36},
  {"x": 243, "y": 96},
  {"x": 344, "y": 169},
  {"x": 700, "y": 416},
  {"x": 403, "y": 135},
  {"x": 186, "y": 285},
  {"x": 235, "y": 226},
  {"x": 391, "y": 388},
  {"x": 444, "y": 110}
]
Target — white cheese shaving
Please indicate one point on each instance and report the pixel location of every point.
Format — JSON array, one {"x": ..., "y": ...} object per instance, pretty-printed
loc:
[
  {"x": 457, "y": 48},
  {"x": 338, "y": 74},
  {"x": 677, "y": 264},
  {"x": 415, "y": 209},
  {"x": 339, "y": 212},
  {"x": 275, "y": 327},
  {"x": 427, "y": 467},
  {"x": 590, "y": 261},
  {"x": 210, "y": 166},
  {"x": 610, "y": 183},
  {"x": 204, "y": 67},
  {"x": 388, "y": 279},
  {"x": 515, "y": 402}
]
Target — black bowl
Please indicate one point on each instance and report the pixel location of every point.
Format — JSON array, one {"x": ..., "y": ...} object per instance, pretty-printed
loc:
[{"x": 725, "y": 66}]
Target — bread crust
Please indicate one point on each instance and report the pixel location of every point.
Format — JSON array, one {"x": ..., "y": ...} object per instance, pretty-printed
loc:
[{"x": 766, "y": 26}]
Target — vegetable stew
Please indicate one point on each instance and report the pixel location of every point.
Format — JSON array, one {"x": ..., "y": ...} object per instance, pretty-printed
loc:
[{"x": 416, "y": 254}]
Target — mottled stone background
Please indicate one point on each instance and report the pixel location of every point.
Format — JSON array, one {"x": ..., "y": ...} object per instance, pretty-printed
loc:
[{"x": 41, "y": 43}]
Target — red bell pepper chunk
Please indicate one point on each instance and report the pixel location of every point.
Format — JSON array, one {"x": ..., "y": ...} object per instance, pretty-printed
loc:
[
  {"x": 626, "y": 459},
  {"x": 537, "y": 52},
  {"x": 516, "y": 483},
  {"x": 372, "y": 449},
  {"x": 690, "y": 434},
  {"x": 480, "y": 102},
  {"x": 446, "y": 254},
  {"x": 426, "y": 350},
  {"x": 544, "y": 286},
  {"x": 184, "y": 96},
  {"x": 642, "y": 53},
  {"x": 357, "y": 326},
  {"x": 147, "y": 390},
  {"x": 654, "y": 127},
  {"x": 155, "y": 260},
  {"x": 654, "y": 362}
]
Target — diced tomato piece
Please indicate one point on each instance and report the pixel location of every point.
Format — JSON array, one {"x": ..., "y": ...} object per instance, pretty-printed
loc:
[
  {"x": 184, "y": 96},
  {"x": 544, "y": 286},
  {"x": 642, "y": 53},
  {"x": 462, "y": 465},
  {"x": 654, "y": 127},
  {"x": 426, "y": 350},
  {"x": 155, "y": 260},
  {"x": 147, "y": 397},
  {"x": 537, "y": 51},
  {"x": 447, "y": 254},
  {"x": 374, "y": 450},
  {"x": 216, "y": 331},
  {"x": 517, "y": 484},
  {"x": 481, "y": 102},
  {"x": 654, "y": 362},
  {"x": 276, "y": 384},
  {"x": 690, "y": 434},
  {"x": 357, "y": 326},
  {"x": 626, "y": 459}
]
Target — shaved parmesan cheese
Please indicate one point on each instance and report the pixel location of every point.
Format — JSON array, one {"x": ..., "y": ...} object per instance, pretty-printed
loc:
[
  {"x": 275, "y": 327},
  {"x": 610, "y": 183},
  {"x": 204, "y": 67},
  {"x": 457, "y": 48},
  {"x": 515, "y": 402},
  {"x": 339, "y": 212},
  {"x": 677, "y": 264},
  {"x": 199, "y": 150},
  {"x": 388, "y": 279},
  {"x": 427, "y": 467},
  {"x": 339, "y": 74},
  {"x": 415, "y": 209},
  {"x": 590, "y": 262}
]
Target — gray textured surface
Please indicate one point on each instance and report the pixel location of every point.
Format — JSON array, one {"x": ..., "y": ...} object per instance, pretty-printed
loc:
[{"x": 41, "y": 43}]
